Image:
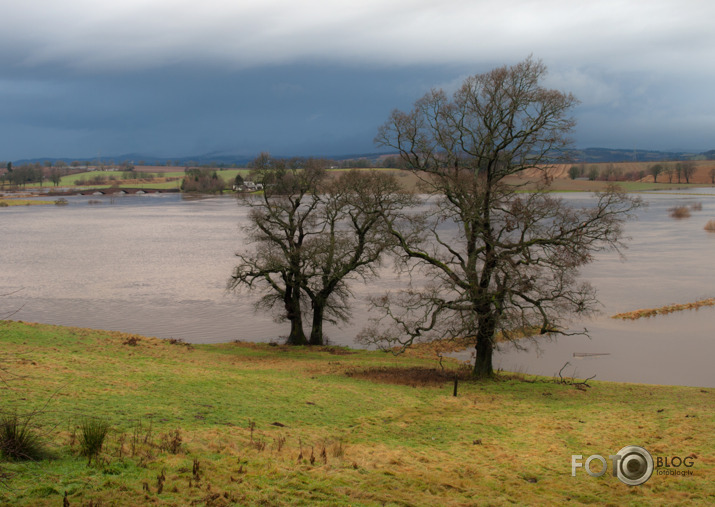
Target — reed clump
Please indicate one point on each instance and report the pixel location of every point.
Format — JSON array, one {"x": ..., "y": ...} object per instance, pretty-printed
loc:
[
  {"x": 91, "y": 438},
  {"x": 17, "y": 439},
  {"x": 710, "y": 226},
  {"x": 680, "y": 212}
]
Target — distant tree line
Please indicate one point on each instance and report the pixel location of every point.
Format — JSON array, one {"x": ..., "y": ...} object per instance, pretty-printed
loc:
[
  {"x": 674, "y": 172},
  {"x": 20, "y": 176},
  {"x": 203, "y": 180}
]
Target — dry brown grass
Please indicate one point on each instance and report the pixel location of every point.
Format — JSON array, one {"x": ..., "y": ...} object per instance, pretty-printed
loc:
[
  {"x": 679, "y": 212},
  {"x": 710, "y": 226},
  {"x": 416, "y": 376},
  {"x": 664, "y": 310},
  {"x": 437, "y": 348}
]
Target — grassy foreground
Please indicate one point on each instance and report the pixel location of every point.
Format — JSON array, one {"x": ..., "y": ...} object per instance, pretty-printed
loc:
[{"x": 249, "y": 424}]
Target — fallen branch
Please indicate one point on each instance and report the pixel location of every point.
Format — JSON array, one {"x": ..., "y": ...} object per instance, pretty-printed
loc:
[{"x": 571, "y": 382}]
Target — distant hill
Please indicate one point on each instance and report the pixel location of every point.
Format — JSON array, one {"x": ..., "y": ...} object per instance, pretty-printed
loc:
[
  {"x": 585, "y": 155},
  {"x": 143, "y": 159}
]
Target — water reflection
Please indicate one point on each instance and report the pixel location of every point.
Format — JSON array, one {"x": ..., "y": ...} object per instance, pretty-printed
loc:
[{"x": 158, "y": 264}]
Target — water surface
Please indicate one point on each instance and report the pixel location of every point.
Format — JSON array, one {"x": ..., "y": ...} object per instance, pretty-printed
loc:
[{"x": 158, "y": 265}]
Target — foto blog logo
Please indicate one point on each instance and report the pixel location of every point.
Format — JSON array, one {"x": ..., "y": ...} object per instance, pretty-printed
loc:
[{"x": 633, "y": 465}]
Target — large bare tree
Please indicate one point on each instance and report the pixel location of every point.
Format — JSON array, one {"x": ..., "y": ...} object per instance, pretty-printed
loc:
[{"x": 494, "y": 261}]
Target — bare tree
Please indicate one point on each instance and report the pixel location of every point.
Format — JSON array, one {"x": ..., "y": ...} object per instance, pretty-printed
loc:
[
  {"x": 313, "y": 236},
  {"x": 351, "y": 242},
  {"x": 712, "y": 175},
  {"x": 280, "y": 221},
  {"x": 492, "y": 259},
  {"x": 655, "y": 170},
  {"x": 668, "y": 171},
  {"x": 688, "y": 169},
  {"x": 55, "y": 176}
]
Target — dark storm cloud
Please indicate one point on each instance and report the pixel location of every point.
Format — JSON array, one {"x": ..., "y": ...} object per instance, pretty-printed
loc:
[{"x": 175, "y": 77}]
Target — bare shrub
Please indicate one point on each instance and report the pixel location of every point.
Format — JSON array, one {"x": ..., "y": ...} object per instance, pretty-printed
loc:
[
  {"x": 679, "y": 212},
  {"x": 132, "y": 341},
  {"x": 337, "y": 449},
  {"x": 141, "y": 439},
  {"x": 99, "y": 179},
  {"x": 171, "y": 442},
  {"x": 710, "y": 226},
  {"x": 259, "y": 445},
  {"x": 279, "y": 443},
  {"x": 698, "y": 206},
  {"x": 179, "y": 341}
]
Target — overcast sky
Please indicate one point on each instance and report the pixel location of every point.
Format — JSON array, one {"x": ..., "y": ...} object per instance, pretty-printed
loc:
[{"x": 82, "y": 78}]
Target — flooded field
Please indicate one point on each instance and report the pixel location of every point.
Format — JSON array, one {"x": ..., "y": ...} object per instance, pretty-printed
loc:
[{"x": 158, "y": 265}]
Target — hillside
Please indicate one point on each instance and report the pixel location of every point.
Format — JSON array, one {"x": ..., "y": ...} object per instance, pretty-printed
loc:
[
  {"x": 580, "y": 155},
  {"x": 251, "y": 424}
]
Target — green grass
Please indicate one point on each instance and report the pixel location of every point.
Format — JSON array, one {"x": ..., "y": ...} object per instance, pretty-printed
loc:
[
  {"x": 388, "y": 439},
  {"x": 22, "y": 202},
  {"x": 229, "y": 175}
]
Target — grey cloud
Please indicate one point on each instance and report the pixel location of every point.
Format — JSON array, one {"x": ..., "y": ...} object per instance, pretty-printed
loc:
[
  {"x": 78, "y": 76},
  {"x": 140, "y": 34}
]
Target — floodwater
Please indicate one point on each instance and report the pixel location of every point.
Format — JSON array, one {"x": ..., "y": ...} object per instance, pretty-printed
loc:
[
  {"x": 158, "y": 265},
  {"x": 667, "y": 261}
]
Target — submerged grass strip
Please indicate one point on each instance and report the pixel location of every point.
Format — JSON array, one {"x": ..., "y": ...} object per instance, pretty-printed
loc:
[
  {"x": 21, "y": 202},
  {"x": 664, "y": 310}
]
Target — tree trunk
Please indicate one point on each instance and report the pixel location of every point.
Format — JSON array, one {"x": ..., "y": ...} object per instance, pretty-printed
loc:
[
  {"x": 485, "y": 347},
  {"x": 297, "y": 336},
  {"x": 316, "y": 332},
  {"x": 293, "y": 314},
  {"x": 483, "y": 362}
]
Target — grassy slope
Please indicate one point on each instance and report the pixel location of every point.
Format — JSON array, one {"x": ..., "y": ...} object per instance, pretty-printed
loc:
[{"x": 497, "y": 443}]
